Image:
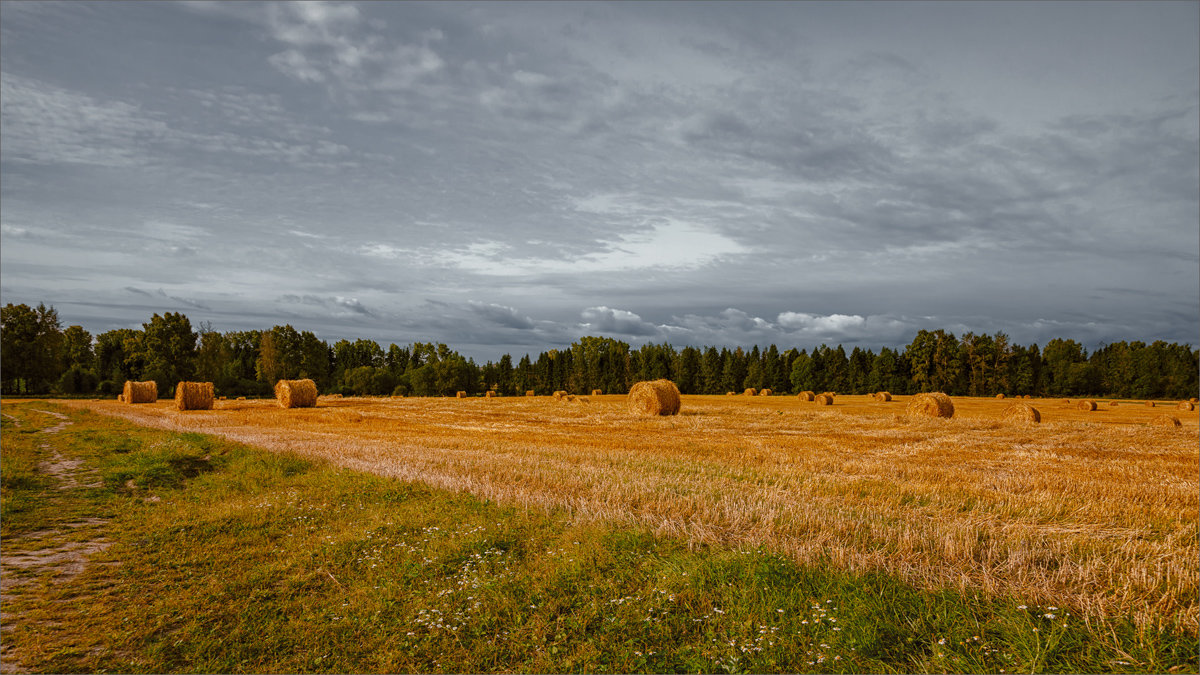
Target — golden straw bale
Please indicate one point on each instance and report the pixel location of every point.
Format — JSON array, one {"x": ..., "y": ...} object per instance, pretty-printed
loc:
[
  {"x": 141, "y": 392},
  {"x": 1086, "y": 405},
  {"x": 241, "y": 398},
  {"x": 933, "y": 404},
  {"x": 823, "y": 399},
  {"x": 730, "y": 393},
  {"x": 460, "y": 394},
  {"x": 490, "y": 394},
  {"x": 559, "y": 394},
  {"x": 830, "y": 394},
  {"x": 194, "y": 396},
  {"x": 530, "y": 392},
  {"x": 1022, "y": 413},
  {"x": 1186, "y": 405},
  {"x": 223, "y": 398},
  {"x": 120, "y": 398},
  {"x": 296, "y": 393},
  {"x": 1165, "y": 420},
  {"x": 1112, "y": 404},
  {"x": 765, "y": 392},
  {"x": 999, "y": 395},
  {"x": 1149, "y": 404},
  {"x": 750, "y": 391},
  {"x": 655, "y": 397},
  {"x": 597, "y": 392},
  {"x": 883, "y": 396},
  {"x": 806, "y": 396},
  {"x": 1026, "y": 396}
]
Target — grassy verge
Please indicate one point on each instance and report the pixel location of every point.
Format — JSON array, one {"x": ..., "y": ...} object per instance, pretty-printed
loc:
[{"x": 224, "y": 558}]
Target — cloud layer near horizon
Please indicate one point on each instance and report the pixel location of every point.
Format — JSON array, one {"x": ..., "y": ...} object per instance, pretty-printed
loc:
[{"x": 508, "y": 177}]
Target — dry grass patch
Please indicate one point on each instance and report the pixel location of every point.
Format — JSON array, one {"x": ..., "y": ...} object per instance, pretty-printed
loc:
[{"x": 1099, "y": 514}]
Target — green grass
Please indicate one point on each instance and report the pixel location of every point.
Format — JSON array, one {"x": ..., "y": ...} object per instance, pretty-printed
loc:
[{"x": 230, "y": 559}]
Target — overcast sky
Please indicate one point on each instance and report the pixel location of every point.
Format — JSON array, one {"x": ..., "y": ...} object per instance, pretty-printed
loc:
[{"x": 508, "y": 177}]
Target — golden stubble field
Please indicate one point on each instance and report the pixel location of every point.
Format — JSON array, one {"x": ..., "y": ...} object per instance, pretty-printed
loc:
[{"x": 1094, "y": 511}]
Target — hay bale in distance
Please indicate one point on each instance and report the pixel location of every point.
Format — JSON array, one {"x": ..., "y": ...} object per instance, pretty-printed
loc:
[
  {"x": 999, "y": 395},
  {"x": 823, "y": 399},
  {"x": 1112, "y": 404},
  {"x": 1186, "y": 405},
  {"x": 194, "y": 396},
  {"x": 530, "y": 393},
  {"x": 654, "y": 397},
  {"x": 490, "y": 394},
  {"x": 1086, "y": 405},
  {"x": 1149, "y": 404},
  {"x": 1021, "y": 413},
  {"x": 241, "y": 398},
  {"x": 750, "y": 391},
  {"x": 141, "y": 392},
  {"x": 765, "y": 392},
  {"x": 730, "y": 393},
  {"x": 1165, "y": 420},
  {"x": 933, "y": 404},
  {"x": 597, "y": 392},
  {"x": 296, "y": 393},
  {"x": 1026, "y": 396},
  {"x": 883, "y": 396},
  {"x": 559, "y": 394},
  {"x": 806, "y": 396},
  {"x": 120, "y": 398},
  {"x": 460, "y": 394}
]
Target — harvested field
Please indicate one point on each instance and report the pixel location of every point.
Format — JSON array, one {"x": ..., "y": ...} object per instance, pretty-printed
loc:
[{"x": 1092, "y": 510}]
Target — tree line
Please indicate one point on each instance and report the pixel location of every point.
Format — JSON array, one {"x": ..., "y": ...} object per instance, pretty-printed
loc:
[{"x": 39, "y": 356}]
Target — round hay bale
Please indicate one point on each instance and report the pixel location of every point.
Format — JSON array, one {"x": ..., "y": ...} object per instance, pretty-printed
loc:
[
  {"x": 296, "y": 393},
  {"x": 999, "y": 395},
  {"x": 750, "y": 391},
  {"x": 1165, "y": 420},
  {"x": 1021, "y": 413},
  {"x": 655, "y": 397},
  {"x": 597, "y": 392},
  {"x": 1086, "y": 405},
  {"x": 1149, "y": 404},
  {"x": 934, "y": 404},
  {"x": 141, "y": 392},
  {"x": 1026, "y": 396},
  {"x": 765, "y": 392},
  {"x": 120, "y": 398},
  {"x": 460, "y": 394},
  {"x": 222, "y": 398},
  {"x": 883, "y": 396},
  {"x": 730, "y": 393},
  {"x": 1186, "y": 405},
  {"x": 1112, "y": 404},
  {"x": 194, "y": 396},
  {"x": 559, "y": 394},
  {"x": 823, "y": 399},
  {"x": 490, "y": 394},
  {"x": 241, "y": 398},
  {"x": 530, "y": 392},
  {"x": 806, "y": 396}
]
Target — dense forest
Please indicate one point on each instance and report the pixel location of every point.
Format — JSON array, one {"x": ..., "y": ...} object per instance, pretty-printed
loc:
[{"x": 39, "y": 356}]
